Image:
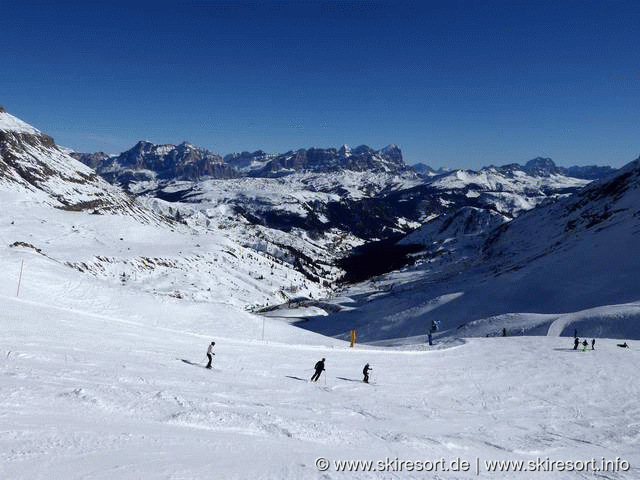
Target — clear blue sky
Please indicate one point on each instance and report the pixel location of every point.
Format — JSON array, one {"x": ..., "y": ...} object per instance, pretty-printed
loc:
[{"x": 453, "y": 83}]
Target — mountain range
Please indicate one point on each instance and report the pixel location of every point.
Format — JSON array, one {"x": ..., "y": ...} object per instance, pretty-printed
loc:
[
  {"x": 371, "y": 194},
  {"x": 466, "y": 249}
]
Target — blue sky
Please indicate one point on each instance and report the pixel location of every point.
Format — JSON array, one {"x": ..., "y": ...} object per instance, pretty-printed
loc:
[{"x": 453, "y": 83}]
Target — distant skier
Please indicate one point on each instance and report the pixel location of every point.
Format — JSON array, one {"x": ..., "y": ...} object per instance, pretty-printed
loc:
[
  {"x": 504, "y": 332},
  {"x": 319, "y": 369},
  {"x": 623, "y": 345},
  {"x": 430, "y": 337},
  {"x": 593, "y": 344},
  {"x": 576, "y": 342},
  {"x": 584, "y": 345},
  {"x": 365, "y": 372},
  {"x": 210, "y": 354}
]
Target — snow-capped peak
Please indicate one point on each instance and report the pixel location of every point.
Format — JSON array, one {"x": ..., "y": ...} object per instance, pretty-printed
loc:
[
  {"x": 345, "y": 150},
  {"x": 9, "y": 123}
]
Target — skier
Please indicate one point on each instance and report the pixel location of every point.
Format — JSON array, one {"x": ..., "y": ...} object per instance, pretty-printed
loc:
[
  {"x": 584, "y": 345},
  {"x": 504, "y": 332},
  {"x": 210, "y": 354},
  {"x": 623, "y": 345},
  {"x": 576, "y": 342},
  {"x": 593, "y": 344},
  {"x": 319, "y": 369},
  {"x": 430, "y": 337},
  {"x": 365, "y": 372}
]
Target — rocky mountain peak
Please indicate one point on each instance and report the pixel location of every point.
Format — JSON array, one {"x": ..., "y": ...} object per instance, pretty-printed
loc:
[
  {"x": 344, "y": 150},
  {"x": 540, "y": 166},
  {"x": 147, "y": 161},
  {"x": 393, "y": 154}
]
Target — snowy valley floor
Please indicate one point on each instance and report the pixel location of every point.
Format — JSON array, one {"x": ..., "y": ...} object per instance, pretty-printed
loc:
[{"x": 98, "y": 397}]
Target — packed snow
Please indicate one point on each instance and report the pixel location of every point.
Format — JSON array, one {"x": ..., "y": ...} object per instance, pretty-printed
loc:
[{"x": 115, "y": 388}]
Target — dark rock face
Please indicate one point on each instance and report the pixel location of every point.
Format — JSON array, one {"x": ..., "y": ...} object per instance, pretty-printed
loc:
[
  {"x": 539, "y": 166},
  {"x": 362, "y": 158},
  {"x": 146, "y": 161}
]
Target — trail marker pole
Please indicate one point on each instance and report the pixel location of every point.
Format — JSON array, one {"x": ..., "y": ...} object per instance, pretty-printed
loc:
[{"x": 20, "y": 278}]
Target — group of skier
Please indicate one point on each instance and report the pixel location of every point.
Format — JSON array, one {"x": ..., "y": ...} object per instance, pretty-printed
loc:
[
  {"x": 319, "y": 368},
  {"x": 576, "y": 344}
]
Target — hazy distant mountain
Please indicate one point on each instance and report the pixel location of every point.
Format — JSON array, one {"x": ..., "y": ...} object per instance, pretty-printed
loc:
[
  {"x": 92, "y": 160},
  {"x": 546, "y": 167},
  {"x": 425, "y": 170}
]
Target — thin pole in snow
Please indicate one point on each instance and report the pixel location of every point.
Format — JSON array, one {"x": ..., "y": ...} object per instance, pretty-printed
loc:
[
  {"x": 263, "y": 329},
  {"x": 20, "y": 278}
]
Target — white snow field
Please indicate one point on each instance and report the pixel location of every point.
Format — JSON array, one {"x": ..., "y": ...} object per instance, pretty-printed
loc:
[{"x": 94, "y": 386}]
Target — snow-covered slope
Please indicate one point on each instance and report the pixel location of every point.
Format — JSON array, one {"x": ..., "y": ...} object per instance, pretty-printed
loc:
[
  {"x": 311, "y": 206},
  {"x": 99, "y": 230},
  {"x": 32, "y": 164},
  {"x": 308, "y": 219},
  {"x": 579, "y": 253},
  {"x": 511, "y": 189},
  {"x": 464, "y": 228},
  {"x": 112, "y": 387},
  {"x": 9, "y": 123}
]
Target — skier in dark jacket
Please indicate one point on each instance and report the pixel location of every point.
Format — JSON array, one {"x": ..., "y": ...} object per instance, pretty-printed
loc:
[
  {"x": 319, "y": 369},
  {"x": 210, "y": 354},
  {"x": 593, "y": 344},
  {"x": 584, "y": 345},
  {"x": 576, "y": 342},
  {"x": 623, "y": 345},
  {"x": 365, "y": 372}
]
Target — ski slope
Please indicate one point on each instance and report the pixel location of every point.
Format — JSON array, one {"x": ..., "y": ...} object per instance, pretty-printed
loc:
[{"x": 92, "y": 395}]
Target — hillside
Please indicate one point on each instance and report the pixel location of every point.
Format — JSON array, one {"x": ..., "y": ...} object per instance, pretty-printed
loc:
[
  {"x": 61, "y": 211},
  {"x": 569, "y": 257},
  {"x": 120, "y": 399}
]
